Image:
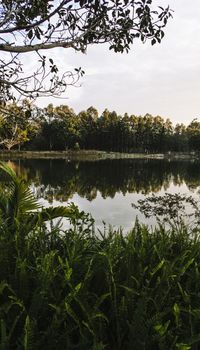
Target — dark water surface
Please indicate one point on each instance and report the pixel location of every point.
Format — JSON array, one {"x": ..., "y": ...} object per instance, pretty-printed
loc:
[{"x": 107, "y": 188}]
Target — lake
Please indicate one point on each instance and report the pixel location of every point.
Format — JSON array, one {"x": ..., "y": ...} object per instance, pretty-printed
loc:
[{"x": 107, "y": 188}]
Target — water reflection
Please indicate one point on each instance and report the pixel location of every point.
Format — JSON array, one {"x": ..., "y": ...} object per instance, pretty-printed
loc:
[{"x": 108, "y": 184}]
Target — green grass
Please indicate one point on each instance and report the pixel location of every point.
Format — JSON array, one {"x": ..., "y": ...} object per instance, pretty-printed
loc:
[
  {"x": 92, "y": 155},
  {"x": 83, "y": 155},
  {"x": 75, "y": 289}
]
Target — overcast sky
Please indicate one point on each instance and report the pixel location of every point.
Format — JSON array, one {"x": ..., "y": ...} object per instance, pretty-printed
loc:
[{"x": 162, "y": 80}]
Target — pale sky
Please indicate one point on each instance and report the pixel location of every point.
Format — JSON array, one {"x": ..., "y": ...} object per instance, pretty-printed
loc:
[{"x": 161, "y": 80}]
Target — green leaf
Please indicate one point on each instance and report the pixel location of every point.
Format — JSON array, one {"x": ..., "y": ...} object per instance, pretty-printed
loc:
[
  {"x": 158, "y": 267},
  {"x": 30, "y": 34},
  {"x": 161, "y": 329},
  {"x": 176, "y": 311},
  {"x": 182, "y": 346}
]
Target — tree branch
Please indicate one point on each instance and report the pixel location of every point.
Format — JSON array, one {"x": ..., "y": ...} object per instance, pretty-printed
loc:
[{"x": 36, "y": 47}]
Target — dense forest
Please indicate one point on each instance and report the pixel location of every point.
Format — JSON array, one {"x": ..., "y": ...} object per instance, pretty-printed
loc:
[{"x": 29, "y": 127}]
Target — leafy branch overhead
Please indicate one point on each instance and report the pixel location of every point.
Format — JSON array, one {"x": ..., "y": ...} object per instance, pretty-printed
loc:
[{"x": 34, "y": 25}]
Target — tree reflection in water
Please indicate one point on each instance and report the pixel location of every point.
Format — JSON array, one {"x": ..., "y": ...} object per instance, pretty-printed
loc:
[
  {"x": 107, "y": 188},
  {"x": 60, "y": 179}
]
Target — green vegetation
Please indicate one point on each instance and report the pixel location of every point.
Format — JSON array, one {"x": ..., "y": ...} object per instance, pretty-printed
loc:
[
  {"x": 74, "y": 289},
  {"x": 28, "y": 127}
]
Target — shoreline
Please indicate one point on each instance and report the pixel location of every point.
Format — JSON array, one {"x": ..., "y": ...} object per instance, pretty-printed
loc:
[{"x": 94, "y": 155}]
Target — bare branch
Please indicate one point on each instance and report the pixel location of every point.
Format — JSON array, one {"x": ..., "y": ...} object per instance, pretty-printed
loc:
[{"x": 36, "y": 47}]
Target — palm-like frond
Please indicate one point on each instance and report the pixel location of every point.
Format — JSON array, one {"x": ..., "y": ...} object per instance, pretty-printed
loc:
[
  {"x": 8, "y": 170},
  {"x": 53, "y": 213},
  {"x": 3, "y": 202},
  {"x": 22, "y": 198},
  {"x": 18, "y": 203},
  {"x": 47, "y": 214},
  {"x": 17, "y": 199}
]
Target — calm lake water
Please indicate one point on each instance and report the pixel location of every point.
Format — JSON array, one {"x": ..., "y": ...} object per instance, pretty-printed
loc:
[{"x": 107, "y": 188}]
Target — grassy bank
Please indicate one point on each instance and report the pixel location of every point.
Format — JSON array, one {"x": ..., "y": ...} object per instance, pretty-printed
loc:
[
  {"x": 74, "y": 289},
  {"x": 93, "y": 155}
]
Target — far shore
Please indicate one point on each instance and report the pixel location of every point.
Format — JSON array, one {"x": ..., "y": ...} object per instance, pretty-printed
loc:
[{"x": 93, "y": 155}]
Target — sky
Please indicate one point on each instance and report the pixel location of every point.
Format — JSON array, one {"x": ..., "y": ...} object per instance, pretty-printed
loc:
[{"x": 163, "y": 79}]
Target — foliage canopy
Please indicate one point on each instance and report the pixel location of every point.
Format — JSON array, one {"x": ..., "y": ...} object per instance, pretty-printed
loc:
[{"x": 35, "y": 25}]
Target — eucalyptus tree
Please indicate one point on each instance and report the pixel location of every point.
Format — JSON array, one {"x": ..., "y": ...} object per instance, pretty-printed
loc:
[
  {"x": 158, "y": 133},
  {"x": 180, "y": 138},
  {"x": 67, "y": 122},
  {"x": 193, "y": 132},
  {"x": 32, "y": 26},
  {"x": 169, "y": 130},
  {"x": 112, "y": 126},
  {"x": 88, "y": 128}
]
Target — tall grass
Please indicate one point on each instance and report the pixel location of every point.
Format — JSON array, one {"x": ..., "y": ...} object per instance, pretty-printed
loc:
[{"x": 73, "y": 289}]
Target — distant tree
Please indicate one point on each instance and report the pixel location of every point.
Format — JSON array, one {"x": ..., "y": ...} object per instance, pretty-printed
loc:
[
  {"x": 35, "y": 25},
  {"x": 180, "y": 138},
  {"x": 168, "y": 135},
  {"x": 88, "y": 128},
  {"x": 60, "y": 127},
  {"x": 92, "y": 113},
  {"x": 193, "y": 132},
  {"x": 158, "y": 133},
  {"x": 69, "y": 122},
  {"x": 16, "y": 125}
]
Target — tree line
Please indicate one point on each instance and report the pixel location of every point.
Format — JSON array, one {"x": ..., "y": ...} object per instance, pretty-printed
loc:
[{"x": 28, "y": 127}]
